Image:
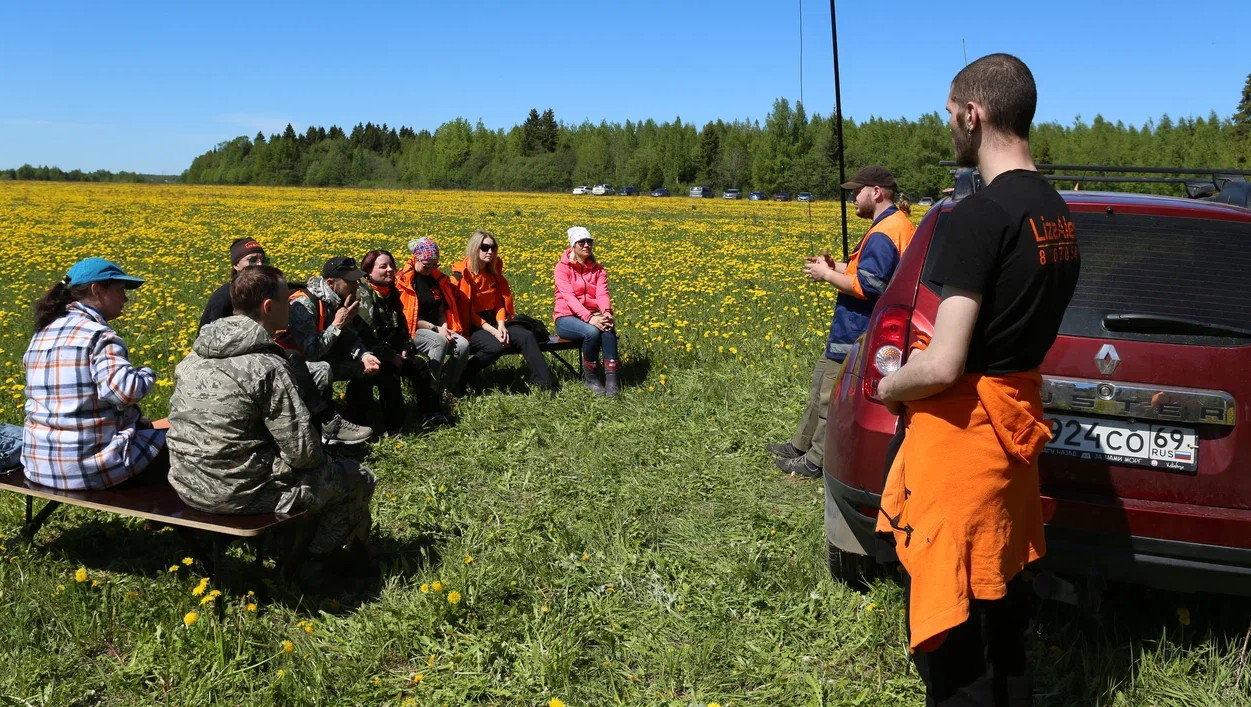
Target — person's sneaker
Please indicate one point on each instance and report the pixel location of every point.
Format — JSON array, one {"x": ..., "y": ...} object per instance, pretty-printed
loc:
[
  {"x": 340, "y": 431},
  {"x": 785, "y": 450},
  {"x": 799, "y": 466}
]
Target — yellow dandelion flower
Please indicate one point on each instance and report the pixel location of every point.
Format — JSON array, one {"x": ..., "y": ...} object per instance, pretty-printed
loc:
[
  {"x": 453, "y": 597},
  {"x": 556, "y": 702},
  {"x": 94, "y": 583},
  {"x": 190, "y": 618},
  {"x": 251, "y": 607},
  {"x": 425, "y": 588},
  {"x": 281, "y": 672},
  {"x": 173, "y": 568},
  {"x": 431, "y": 659},
  {"x": 545, "y": 608},
  {"x": 187, "y": 561},
  {"x": 418, "y": 678},
  {"x": 585, "y": 557},
  {"x": 81, "y": 575},
  {"x": 308, "y": 627},
  {"x": 437, "y": 586},
  {"x": 287, "y": 646},
  {"x": 468, "y": 559},
  {"x": 199, "y": 588},
  {"x": 714, "y": 704}
]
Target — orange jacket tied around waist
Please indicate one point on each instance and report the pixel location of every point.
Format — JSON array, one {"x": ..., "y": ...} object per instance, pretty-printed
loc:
[{"x": 962, "y": 500}]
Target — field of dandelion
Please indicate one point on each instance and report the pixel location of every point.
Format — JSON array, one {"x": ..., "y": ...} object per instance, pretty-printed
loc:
[{"x": 542, "y": 551}]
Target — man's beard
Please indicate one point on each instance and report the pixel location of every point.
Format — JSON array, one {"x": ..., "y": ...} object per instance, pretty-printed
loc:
[
  {"x": 966, "y": 151},
  {"x": 864, "y": 211}
]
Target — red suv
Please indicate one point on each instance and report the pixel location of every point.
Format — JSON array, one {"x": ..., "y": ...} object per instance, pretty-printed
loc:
[{"x": 1148, "y": 476}]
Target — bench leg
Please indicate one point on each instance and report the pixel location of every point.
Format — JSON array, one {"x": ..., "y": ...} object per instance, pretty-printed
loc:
[
  {"x": 568, "y": 366},
  {"x": 36, "y": 521}
]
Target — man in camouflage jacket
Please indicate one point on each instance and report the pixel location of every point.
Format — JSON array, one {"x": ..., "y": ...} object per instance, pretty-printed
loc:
[
  {"x": 241, "y": 440},
  {"x": 320, "y": 325}
]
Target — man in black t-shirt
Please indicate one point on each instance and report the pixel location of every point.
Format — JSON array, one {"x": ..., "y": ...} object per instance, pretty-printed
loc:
[{"x": 961, "y": 501}]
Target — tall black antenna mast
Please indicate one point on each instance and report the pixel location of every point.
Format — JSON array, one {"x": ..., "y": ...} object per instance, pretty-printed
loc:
[{"x": 838, "y": 125}]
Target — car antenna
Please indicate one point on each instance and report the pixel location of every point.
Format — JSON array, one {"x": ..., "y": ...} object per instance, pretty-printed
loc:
[{"x": 838, "y": 127}]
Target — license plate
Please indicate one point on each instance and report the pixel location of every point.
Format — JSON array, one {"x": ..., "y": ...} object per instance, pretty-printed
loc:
[{"x": 1123, "y": 442}]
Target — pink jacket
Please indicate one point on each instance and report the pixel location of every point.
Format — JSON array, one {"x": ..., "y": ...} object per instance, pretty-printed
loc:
[{"x": 581, "y": 288}]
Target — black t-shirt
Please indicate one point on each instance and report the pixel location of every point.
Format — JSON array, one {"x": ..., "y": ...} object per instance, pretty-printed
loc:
[
  {"x": 218, "y": 307},
  {"x": 429, "y": 299},
  {"x": 1014, "y": 243}
]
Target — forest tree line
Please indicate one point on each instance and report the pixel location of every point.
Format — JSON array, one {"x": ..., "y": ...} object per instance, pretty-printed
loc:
[{"x": 791, "y": 151}]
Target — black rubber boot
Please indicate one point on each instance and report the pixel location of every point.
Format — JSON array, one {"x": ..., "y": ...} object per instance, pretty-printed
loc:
[
  {"x": 611, "y": 385},
  {"x": 590, "y": 377}
]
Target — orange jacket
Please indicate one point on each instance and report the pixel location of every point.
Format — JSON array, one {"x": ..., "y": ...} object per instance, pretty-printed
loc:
[
  {"x": 408, "y": 298},
  {"x": 963, "y": 528},
  {"x": 484, "y": 292}
]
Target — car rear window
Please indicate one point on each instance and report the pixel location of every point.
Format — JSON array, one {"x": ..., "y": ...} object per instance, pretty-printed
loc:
[{"x": 1166, "y": 270}]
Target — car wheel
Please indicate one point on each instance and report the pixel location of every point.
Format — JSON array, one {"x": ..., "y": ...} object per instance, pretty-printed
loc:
[{"x": 856, "y": 571}]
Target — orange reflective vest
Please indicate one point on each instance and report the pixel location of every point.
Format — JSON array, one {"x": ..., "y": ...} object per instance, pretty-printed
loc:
[
  {"x": 899, "y": 229},
  {"x": 961, "y": 499}
]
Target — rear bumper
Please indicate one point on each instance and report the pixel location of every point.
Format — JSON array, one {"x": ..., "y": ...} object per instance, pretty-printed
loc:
[{"x": 1101, "y": 556}]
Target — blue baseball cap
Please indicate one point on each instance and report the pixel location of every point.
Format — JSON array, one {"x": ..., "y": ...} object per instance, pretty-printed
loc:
[{"x": 85, "y": 272}]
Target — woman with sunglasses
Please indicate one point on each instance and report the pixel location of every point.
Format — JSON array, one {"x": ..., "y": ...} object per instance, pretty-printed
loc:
[
  {"x": 487, "y": 306},
  {"x": 584, "y": 310},
  {"x": 430, "y": 307}
]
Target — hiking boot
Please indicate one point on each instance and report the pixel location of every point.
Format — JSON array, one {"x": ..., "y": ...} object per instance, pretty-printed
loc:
[
  {"x": 611, "y": 385},
  {"x": 590, "y": 377},
  {"x": 799, "y": 466},
  {"x": 785, "y": 450},
  {"x": 340, "y": 431}
]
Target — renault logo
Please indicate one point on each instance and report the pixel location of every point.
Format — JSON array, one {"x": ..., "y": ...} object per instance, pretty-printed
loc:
[{"x": 1107, "y": 360}]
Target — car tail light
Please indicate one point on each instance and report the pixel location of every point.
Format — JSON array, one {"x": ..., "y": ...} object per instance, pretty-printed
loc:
[{"x": 886, "y": 343}]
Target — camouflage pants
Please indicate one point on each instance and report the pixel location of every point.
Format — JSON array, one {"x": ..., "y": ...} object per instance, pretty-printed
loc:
[{"x": 337, "y": 496}]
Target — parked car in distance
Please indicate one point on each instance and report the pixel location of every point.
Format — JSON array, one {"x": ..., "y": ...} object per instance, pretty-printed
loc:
[
  {"x": 731, "y": 194},
  {"x": 603, "y": 190},
  {"x": 701, "y": 192},
  {"x": 581, "y": 191},
  {"x": 782, "y": 196},
  {"x": 757, "y": 196},
  {"x": 1145, "y": 479},
  {"x": 628, "y": 191},
  {"x": 925, "y": 201},
  {"x": 804, "y": 196},
  {"x": 660, "y": 191}
]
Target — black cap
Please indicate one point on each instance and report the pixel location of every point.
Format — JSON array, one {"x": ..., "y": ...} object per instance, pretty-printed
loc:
[
  {"x": 342, "y": 268},
  {"x": 871, "y": 177}
]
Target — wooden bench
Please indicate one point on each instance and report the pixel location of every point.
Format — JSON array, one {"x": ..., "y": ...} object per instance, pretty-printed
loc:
[
  {"x": 555, "y": 345},
  {"x": 157, "y": 502}
]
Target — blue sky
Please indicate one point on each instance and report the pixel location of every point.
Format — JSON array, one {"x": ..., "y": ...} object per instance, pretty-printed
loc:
[{"x": 148, "y": 86}]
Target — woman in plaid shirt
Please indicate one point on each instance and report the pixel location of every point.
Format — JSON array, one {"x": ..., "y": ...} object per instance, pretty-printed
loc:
[{"x": 83, "y": 426}]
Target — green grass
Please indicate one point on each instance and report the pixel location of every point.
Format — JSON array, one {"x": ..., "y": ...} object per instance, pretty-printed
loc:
[
  {"x": 637, "y": 551},
  {"x": 640, "y": 551}
]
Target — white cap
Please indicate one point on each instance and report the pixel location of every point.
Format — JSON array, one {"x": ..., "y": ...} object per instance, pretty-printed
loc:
[{"x": 578, "y": 233}]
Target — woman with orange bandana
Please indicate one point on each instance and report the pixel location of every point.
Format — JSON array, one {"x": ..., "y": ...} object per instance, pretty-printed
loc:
[{"x": 964, "y": 532}]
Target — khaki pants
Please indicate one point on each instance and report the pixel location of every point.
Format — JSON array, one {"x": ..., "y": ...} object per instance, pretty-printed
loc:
[{"x": 810, "y": 435}]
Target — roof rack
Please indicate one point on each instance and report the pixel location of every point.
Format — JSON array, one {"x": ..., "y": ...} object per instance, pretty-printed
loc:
[{"x": 1229, "y": 186}]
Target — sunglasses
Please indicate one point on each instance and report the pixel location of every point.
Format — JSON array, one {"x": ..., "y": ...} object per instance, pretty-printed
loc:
[
  {"x": 256, "y": 259},
  {"x": 488, "y": 246},
  {"x": 588, "y": 242}
]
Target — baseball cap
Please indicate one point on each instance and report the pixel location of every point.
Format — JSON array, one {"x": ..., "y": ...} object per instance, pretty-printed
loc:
[
  {"x": 342, "y": 268},
  {"x": 871, "y": 177},
  {"x": 85, "y": 272}
]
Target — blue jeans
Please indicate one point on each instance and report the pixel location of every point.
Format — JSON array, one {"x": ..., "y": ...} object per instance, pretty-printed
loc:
[{"x": 592, "y": 338}]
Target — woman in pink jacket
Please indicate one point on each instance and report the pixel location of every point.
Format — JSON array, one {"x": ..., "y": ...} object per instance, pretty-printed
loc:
[{"x": 584, "y": 310}]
